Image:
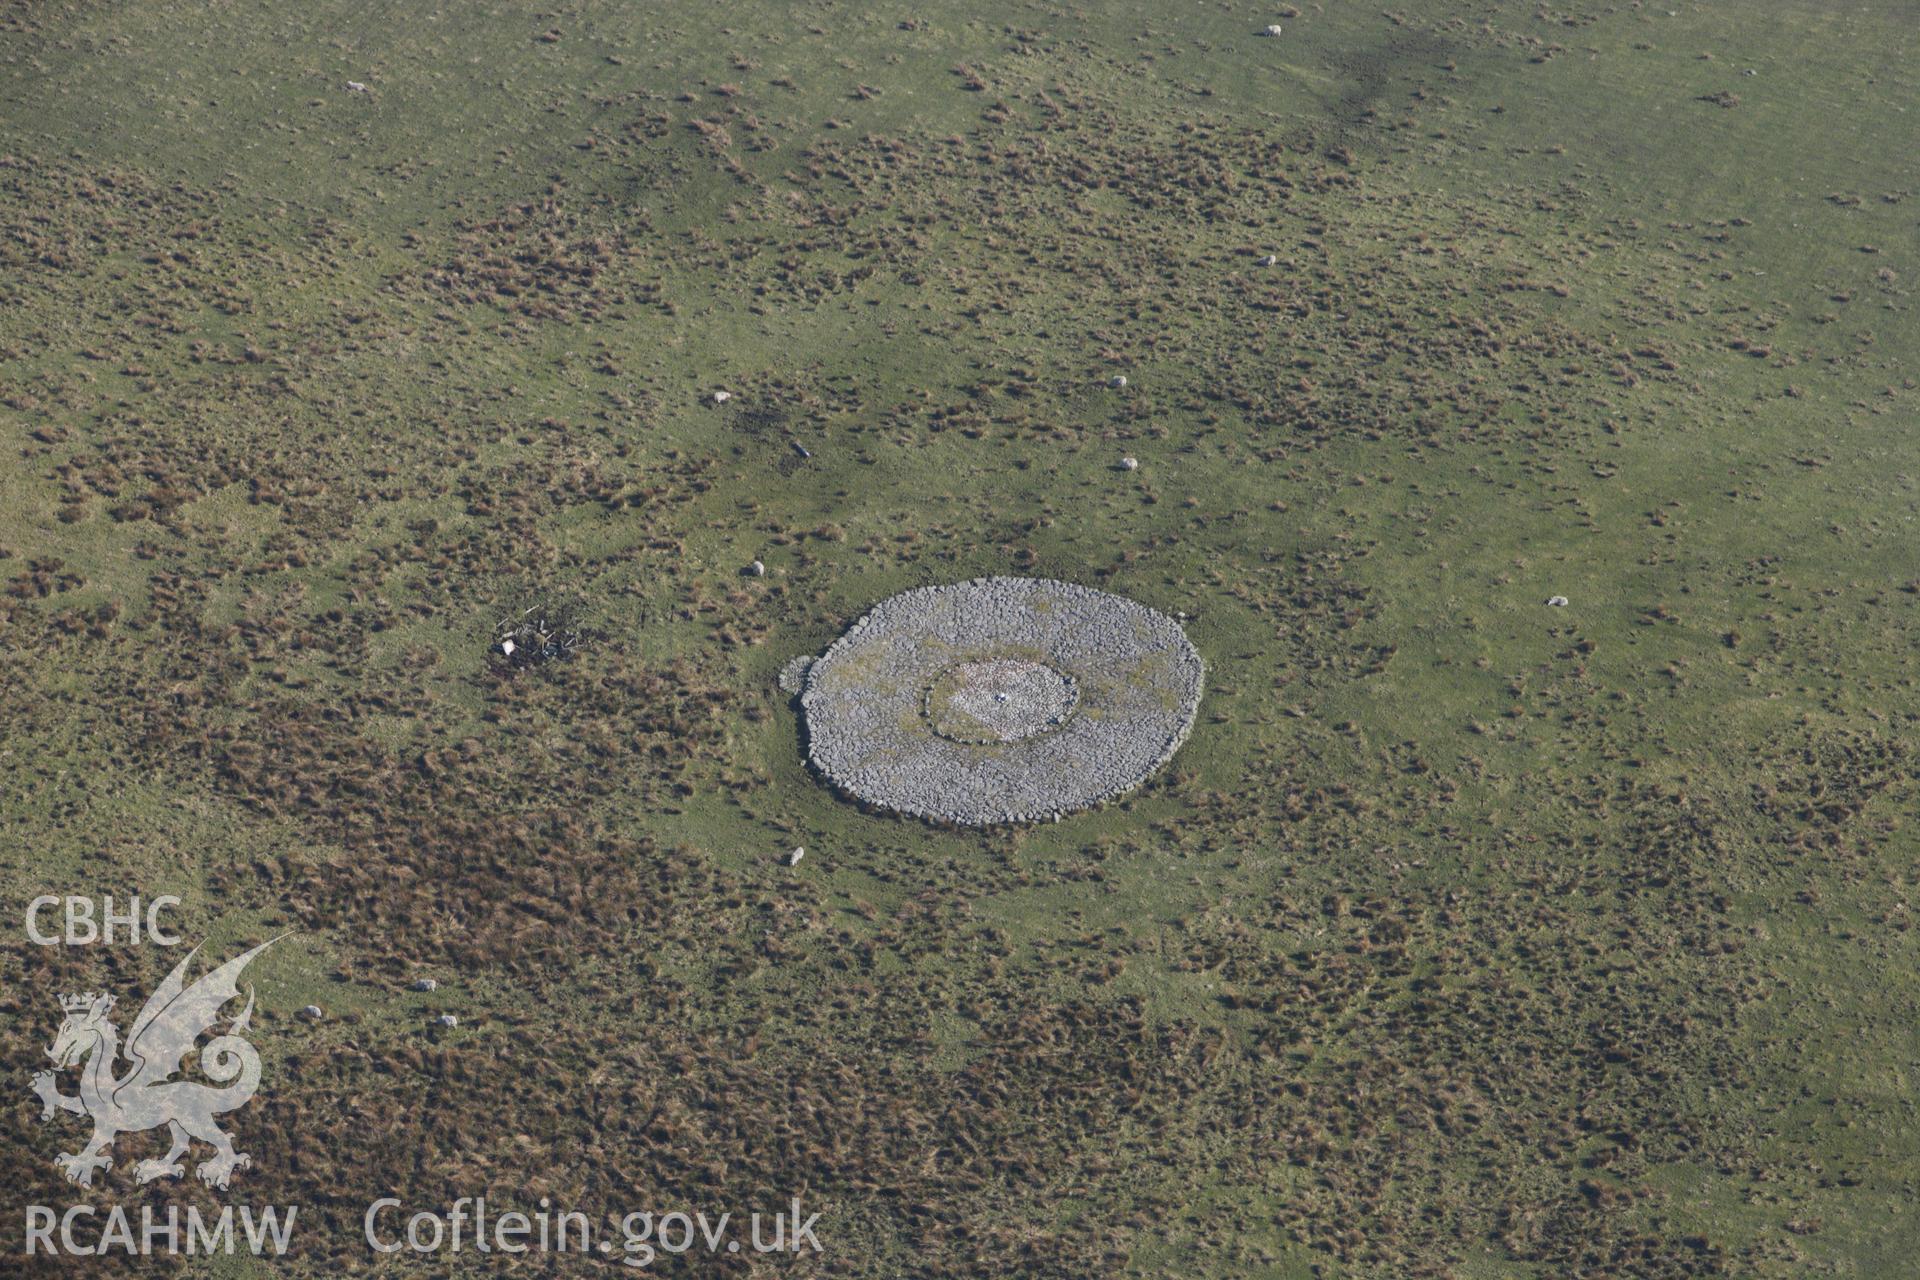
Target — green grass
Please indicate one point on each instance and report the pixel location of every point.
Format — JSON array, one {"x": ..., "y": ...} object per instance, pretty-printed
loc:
[{"x": 1465, "y": 936}]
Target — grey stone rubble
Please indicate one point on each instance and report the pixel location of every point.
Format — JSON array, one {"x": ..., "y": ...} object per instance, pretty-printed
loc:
[
  {"x": 1000, "y": 700},
  {"x": 793, "y": 676}
]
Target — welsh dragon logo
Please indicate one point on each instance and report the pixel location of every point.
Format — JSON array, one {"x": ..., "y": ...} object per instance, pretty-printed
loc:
[{"x": 146, "y": 1096}]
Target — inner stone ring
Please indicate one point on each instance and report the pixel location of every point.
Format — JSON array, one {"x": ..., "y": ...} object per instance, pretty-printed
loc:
[{"x": 999, "y": 700}]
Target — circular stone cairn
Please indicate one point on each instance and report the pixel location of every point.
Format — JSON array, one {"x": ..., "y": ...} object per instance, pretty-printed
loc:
[{"x": 1000, "y": 700}]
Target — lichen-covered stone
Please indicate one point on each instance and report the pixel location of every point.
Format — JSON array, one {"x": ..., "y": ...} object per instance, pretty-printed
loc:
[{"x": 1000, "y": 700}]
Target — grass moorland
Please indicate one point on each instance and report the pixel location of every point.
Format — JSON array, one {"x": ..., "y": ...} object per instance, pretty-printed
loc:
[{"x": 1466, "y": 937}]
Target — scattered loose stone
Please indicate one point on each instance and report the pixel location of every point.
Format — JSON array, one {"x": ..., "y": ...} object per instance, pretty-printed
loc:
[
  {"x": 793, "y": 856},
  {"x": 1129, "y": 464},
  {"x": 311, "y": 1013},
  {"x": 424, "y": 984},
  {"x": 1000, "y": 700},
  {"x": 721, "y": 397},
  {"x": 793, "y": 676},
  {"x": 756, "y": 570},
  {"x": 1117, "y": 381},
  {"x": 1557, "y": 602},
  {"x": 538, "y": 634}
]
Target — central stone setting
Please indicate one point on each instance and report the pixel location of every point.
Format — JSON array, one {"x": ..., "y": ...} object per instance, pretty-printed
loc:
[{"x": 993, "y": 700}]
